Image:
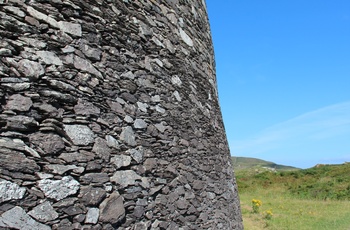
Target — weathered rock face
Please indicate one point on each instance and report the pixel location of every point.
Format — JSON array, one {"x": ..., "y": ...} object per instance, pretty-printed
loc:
[{"x": 109, "y": 117}]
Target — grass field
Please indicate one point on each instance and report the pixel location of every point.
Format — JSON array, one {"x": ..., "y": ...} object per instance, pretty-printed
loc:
[
  {"x": 315, "y": 199},
  {"x": 291, "y": 213}
]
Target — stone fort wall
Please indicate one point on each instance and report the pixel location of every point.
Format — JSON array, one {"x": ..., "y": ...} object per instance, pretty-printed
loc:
[{"x": 109, "y": 117}]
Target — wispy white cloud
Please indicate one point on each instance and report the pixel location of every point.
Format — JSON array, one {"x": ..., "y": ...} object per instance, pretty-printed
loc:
[{"x": 325, "y": 128}]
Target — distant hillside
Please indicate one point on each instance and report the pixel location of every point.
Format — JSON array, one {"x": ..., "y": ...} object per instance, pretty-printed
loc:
[
  {"x": 240, "y": 163},
  {"x": 319, "y": 182}
]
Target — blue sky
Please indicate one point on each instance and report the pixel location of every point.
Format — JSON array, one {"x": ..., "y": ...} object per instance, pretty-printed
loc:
[{"x": 283, "y": 72}]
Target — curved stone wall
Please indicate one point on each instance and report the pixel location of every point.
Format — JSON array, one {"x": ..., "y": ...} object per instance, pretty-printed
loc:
[{"x": 110, "y": 119}]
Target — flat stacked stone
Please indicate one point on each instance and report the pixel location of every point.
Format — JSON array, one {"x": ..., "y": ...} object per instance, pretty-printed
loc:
[{"x": 109, "y": 118}]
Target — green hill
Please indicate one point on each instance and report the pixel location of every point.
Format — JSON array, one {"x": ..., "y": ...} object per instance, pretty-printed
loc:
[
  {"x": 320, "y": 182},
  {"x": 241, "y": 163}
]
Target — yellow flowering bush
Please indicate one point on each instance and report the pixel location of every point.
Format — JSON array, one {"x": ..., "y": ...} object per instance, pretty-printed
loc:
[
  {"x": 268, "y": 214},
  {"x": 256, "y": 205}
]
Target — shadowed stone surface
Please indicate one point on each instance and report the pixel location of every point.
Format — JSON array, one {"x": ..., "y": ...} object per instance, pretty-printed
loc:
[
  {"x": 44, "y": 212},
  {"x": 109, "y": 118},
  {"x": 112, "y": 209},
  {"x": 17, "y": 218},
  {"x": 19, "y": 103}
]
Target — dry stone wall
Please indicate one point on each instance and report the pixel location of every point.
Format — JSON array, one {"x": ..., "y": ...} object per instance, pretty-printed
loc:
[{"x": 110, "y": 119}]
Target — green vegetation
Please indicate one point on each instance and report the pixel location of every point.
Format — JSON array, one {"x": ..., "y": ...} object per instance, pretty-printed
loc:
[
  {"x": 290, "y": 213},
  {"x": 315, "y": 198},
  {"x": 240, "y": 163},
  {"x": 325, "y": 182},
  {"x": 256, "y": 205}
]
